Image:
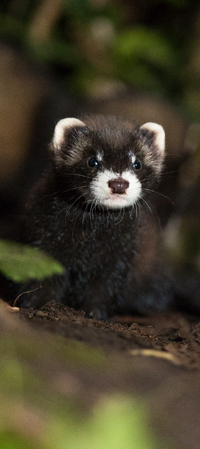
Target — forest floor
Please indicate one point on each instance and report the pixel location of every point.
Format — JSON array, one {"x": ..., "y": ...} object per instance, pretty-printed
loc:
[
  {"x": 175, "y": 334},
  {"x": 161, "y": 359}
]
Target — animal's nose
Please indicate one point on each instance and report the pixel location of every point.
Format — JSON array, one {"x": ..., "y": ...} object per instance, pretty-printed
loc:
[{"x": 118, "y": 185}]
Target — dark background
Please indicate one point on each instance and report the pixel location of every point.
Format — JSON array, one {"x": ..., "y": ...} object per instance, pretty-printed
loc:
[
  {"x": 59, "y": 58},
  {"x": 91, "y": 44}
]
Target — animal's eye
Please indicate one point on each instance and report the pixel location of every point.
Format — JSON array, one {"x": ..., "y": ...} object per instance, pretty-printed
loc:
[
  {"x": 92, "y": 162},
  {"x": 137, "y": 165}
]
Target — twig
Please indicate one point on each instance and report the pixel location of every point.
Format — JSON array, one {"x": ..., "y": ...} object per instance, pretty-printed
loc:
[
  {"x": 23, "y": 293},
  {"x": 155, "y": 353}
]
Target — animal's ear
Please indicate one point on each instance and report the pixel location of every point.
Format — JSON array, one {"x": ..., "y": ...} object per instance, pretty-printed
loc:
[
  {"x": 61, "y": 129},
  {"x": 158, "y": 134}
]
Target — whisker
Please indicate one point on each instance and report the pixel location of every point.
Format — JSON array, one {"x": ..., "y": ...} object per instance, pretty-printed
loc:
[
  {"x": 74, "y": 174},
  {"x": 122, "y": 212},
  {"x": 147, "y": 204},
  {"x": 169, "y": 172},
  {"x": 153, "y": 211},
  {"x": 118, "y": 216},
  {"x": 74, "y": 227},
  {"x": 136, "y": 209},
  {"x": 65, "y": 191},
  {"x": 73, "y": 188},
  {"x": 159, "y": 193},
  {"x": 78, "y": 198}
]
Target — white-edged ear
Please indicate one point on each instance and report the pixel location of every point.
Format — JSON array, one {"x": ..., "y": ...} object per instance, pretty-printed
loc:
[
  {"x": 62, "y": 125},
  {"x": 159, "y": 134}
]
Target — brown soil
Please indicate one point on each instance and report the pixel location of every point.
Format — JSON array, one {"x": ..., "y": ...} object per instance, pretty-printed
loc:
[{"x": 172, "y": 333}]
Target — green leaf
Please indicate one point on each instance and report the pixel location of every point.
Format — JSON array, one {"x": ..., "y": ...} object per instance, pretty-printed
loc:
[
  {"x": 22, "y": 262},
  {"x": 147, "y": 45}
]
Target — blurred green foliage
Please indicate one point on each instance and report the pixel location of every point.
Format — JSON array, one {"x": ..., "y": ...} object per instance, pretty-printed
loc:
[
  {"x": 142, "y": 56},
  {"x": 22, "y": 262},
  {"x": 145, "y": 45},
  {"x": 116, "y": 423}
]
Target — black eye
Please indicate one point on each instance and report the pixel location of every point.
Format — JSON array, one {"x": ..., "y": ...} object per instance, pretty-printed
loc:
[
  {"x": 92, "y": 162},
  {"x": 137, "y": 165}
]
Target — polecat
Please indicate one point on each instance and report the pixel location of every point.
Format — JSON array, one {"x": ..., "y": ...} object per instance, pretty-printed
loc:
[{"x": 93, "y": 210}]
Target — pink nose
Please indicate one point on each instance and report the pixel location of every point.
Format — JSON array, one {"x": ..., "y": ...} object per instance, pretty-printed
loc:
[{"x": 118, "y": 185}]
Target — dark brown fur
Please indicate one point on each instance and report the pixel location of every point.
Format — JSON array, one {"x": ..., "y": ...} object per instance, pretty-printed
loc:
[{"x": 111, "y": 257}]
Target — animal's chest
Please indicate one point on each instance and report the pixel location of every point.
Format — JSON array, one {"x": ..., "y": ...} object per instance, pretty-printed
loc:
[
  {"x": 89, "y": 250},
  {"x": 103, "y": 255}
]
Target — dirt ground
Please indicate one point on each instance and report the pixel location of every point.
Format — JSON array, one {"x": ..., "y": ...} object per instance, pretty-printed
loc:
[
  {"x": 160, "y": 357},
  {"x": 173, "y": 333}
]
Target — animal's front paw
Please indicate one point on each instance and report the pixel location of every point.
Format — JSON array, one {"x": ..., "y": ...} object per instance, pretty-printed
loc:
[{"x": 98, "y": 313}]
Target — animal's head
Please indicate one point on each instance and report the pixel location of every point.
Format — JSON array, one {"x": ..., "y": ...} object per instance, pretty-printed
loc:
[{"x": 107, "y": 161}]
